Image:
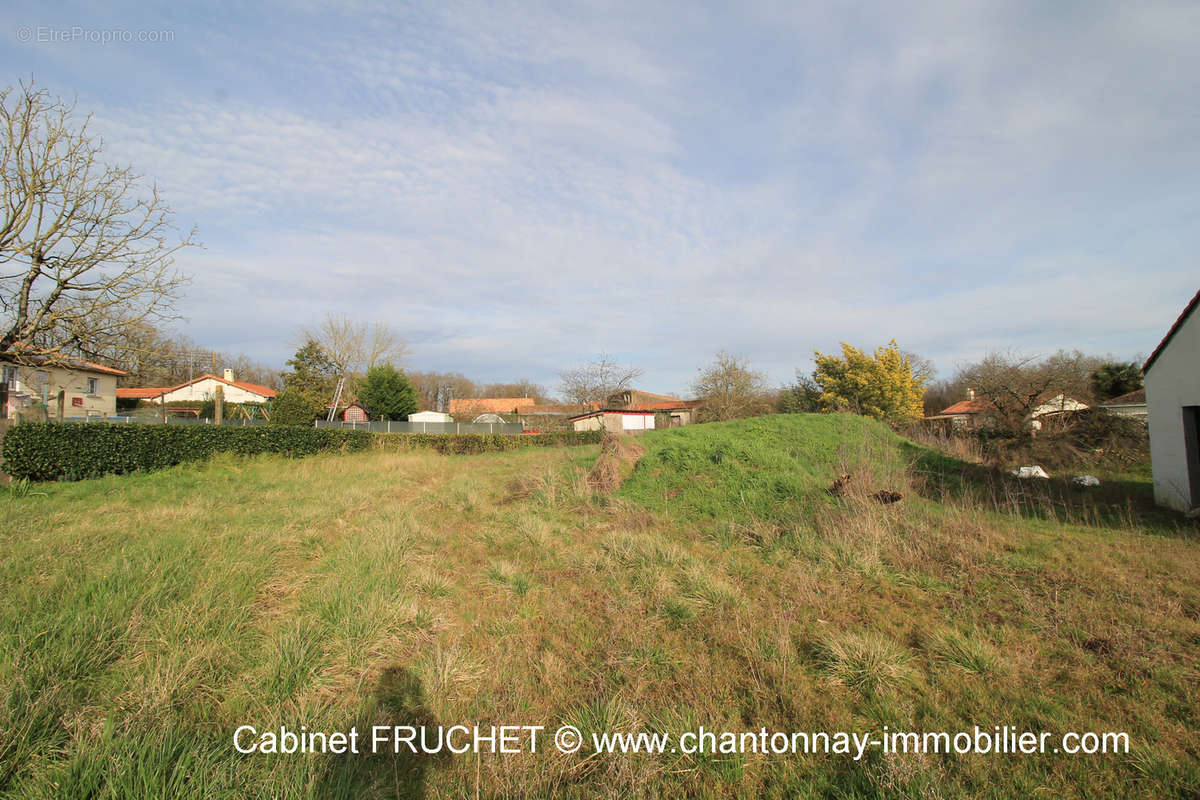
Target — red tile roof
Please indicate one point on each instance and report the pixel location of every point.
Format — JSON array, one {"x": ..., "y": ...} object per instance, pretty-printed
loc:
[
  {"x": 1132, "y": 398},
  {"x": 1187, "y": 312},
  {"x": 140, "y": 393},
  {"x": 975, "y": 406},
  {"x": 154, "y": 391}
]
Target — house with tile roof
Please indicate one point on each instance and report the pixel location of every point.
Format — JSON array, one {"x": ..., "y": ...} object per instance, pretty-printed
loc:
[
  {"x": 199, "y": 390},
  {"x": 86, "y": 389},
  {"x": 974, "y": 412},
  {"x": 1172, "y": 375},
  {"x": 635, "y": 410},
  {"x": 1132, "y": 404}
]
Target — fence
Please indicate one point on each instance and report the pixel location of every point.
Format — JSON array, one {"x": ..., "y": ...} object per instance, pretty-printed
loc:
[{"x": 510, "y": 428}]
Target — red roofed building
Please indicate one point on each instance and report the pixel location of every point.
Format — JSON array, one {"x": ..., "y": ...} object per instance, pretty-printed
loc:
[
  {"x": 973, "y": 412},
  {"x": 198, "y": 390}
]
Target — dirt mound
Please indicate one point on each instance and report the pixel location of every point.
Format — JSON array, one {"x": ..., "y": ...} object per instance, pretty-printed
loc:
[{"x": 618, "y": 454}]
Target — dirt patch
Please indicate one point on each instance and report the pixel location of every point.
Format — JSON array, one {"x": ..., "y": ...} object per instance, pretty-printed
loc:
[{"x": 618, "y": 455}]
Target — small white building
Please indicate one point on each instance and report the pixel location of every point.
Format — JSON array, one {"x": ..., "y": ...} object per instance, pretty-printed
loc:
[
  {"x": 1172, "y": 376},
  {"x": 614, "y": 421},
  {"x": 430, "y": 416}
]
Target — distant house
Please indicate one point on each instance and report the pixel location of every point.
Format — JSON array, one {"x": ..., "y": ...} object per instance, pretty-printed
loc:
[
  {"x": 672, "y": 411},
  {"x": 969, "y": 414},
  {"x": 199, "y": 390},
  {"x": 974, "y": 412},
  {"x": 1173, "y": 404},
  {"x": 1132, "y": 404},
  {"x": 87, "y": 389},
  {"x": 1053, "y": 407},
  {"x": 430, "y": 416},
  {"x": 614, "y": 421}
]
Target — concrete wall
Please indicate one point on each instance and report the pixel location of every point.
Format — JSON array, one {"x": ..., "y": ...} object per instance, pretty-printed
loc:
[{"x": 1172, "y": 384}]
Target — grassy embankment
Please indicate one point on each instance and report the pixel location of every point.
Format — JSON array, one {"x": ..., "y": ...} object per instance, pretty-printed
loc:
[{"x": 143, "y": 618}]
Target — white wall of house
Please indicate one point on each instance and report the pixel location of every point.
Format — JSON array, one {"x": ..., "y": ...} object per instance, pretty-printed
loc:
[
  {"x": 614, "y": 422},
  {"x": 637, "y": 422},
  {"x": 206, "y": 388},
  {"x": 1172, "y": 397},
  {"x": 430, "y": 416}
]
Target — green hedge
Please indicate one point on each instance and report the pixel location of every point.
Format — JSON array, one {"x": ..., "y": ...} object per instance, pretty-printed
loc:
[
  {"x": 50, "y": 451},
  {"x": 467, "y": 443}
]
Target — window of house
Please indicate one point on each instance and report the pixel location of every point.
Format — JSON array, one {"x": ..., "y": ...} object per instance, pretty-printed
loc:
[
  {"x": 8, "y": 376},
  {"x": 93, "y": 386}
]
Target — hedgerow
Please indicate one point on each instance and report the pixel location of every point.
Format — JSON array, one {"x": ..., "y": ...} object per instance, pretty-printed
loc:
[
  {"x": 50, "y": 451},
  {"x": 469, "y": 443}
]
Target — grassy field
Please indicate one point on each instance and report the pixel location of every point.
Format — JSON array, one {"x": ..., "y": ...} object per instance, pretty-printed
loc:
[{"x": 143, "y": 618}]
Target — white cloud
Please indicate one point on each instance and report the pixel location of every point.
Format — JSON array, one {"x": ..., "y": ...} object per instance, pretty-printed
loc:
[{"x": 519, "y": 187}]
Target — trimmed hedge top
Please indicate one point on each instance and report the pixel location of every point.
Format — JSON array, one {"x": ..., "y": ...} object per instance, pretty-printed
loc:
[
  {"x": 45, "y": 451},
  {"x": 54, "y": 451}
]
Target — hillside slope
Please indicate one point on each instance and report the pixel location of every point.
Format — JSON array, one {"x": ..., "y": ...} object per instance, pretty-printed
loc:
[{"x": 776, "y": 467}]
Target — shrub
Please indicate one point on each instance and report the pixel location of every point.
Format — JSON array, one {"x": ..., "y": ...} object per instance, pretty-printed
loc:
[
  {"x": 47, "y": 451},
  {"x": 295, "y": 407}
]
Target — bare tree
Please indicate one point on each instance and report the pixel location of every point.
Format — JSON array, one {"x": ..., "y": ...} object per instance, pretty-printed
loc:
[
  {"x": 434, "y": 386},
  {"x": 86, "y": 252},
  {"x": 355, "y": 346},
  {"x": 729, "y": 389},
  {"x": 1017, "y": 384},
  {"x": 521, "y": 388},
  {"x": 596, "y": 380}
]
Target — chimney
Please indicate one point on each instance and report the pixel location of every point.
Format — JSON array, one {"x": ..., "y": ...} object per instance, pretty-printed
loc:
[
  {"x": 970, "y": 392},
  {"x": 229, "y": 375}
]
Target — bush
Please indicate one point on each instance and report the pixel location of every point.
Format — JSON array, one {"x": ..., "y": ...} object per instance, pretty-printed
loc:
[
  {"x": 468, "y": 443},
  {"x": 48, "y": 451},
  {"x": 294, "y": 407}
]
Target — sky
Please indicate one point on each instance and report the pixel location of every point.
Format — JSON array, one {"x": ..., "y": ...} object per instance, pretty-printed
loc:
[{"x": 518, "y": 187}]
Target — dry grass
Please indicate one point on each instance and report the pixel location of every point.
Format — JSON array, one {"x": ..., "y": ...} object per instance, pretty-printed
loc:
[{"x": 502, "y": 588}]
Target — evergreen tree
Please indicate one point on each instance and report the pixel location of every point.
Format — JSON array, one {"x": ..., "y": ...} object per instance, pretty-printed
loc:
[
  {"x": 387, "y": 393},
  {"x": 1113, "y": 380}
]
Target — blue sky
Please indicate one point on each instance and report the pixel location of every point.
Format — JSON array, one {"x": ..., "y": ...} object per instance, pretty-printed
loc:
[{"x": 517, "y": 187}]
